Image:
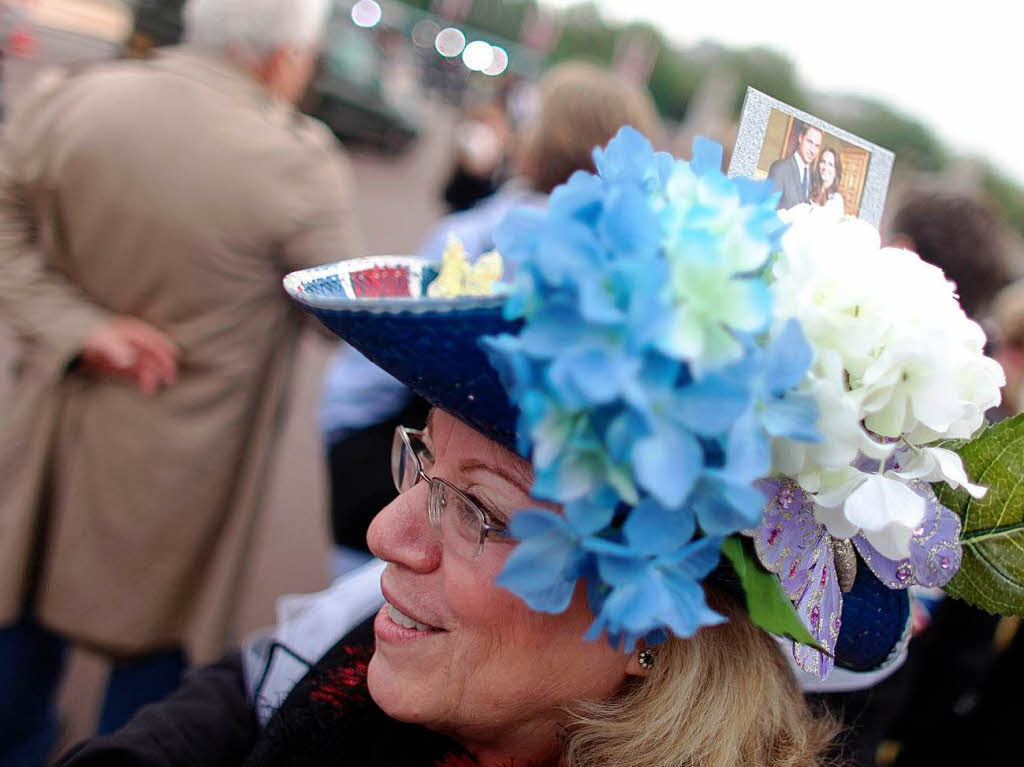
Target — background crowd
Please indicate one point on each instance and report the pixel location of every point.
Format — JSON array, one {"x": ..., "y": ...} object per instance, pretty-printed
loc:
[{"x": 177, "y": 445}]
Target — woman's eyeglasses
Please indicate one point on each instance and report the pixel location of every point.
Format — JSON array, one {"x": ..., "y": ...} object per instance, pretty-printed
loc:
[{"x": 461, "y": 524}]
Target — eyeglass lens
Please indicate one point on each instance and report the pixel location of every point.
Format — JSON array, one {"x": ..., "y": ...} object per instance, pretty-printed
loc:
[
  {"x": 403, "y": 463},
  {"x": 460, "y": 523}
]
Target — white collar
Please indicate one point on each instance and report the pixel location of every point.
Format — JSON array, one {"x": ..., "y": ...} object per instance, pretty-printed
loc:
[{"x": 308, "y": 625}]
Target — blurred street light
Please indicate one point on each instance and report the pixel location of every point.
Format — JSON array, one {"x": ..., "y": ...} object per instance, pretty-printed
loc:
[
  {"x": 478, "y": 55},
  {"x": 499, "y": 61},
  {"x": 450, "y": 42},
  {"x": 366, "y": 14}
]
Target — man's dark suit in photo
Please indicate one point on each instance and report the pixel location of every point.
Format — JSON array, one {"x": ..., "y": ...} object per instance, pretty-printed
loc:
[{"x": 793, "y": 177}]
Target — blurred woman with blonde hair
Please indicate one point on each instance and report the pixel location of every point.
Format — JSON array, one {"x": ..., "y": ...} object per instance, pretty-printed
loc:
[{"x": 580, "y": 106}]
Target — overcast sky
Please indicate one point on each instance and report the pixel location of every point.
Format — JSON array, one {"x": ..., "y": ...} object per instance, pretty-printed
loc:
[{"x": 956, "y": 67}]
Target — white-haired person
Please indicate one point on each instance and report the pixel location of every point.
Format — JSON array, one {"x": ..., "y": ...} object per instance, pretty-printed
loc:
[
  {"x": 593, "y": 538},
  {"x": 148, "y": 210}
]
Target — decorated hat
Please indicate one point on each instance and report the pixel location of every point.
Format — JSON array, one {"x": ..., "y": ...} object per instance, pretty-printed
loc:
[{"x": 696, "y": 380}]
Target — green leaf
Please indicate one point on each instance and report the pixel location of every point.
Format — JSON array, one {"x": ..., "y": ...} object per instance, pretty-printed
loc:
[
  {"x": 767, "y": 604},
  {"x": 992, "y": 573}
]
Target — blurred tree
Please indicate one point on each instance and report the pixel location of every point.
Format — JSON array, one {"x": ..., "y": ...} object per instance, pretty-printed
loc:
[
  {"x": 915, "y": 146},
  {"x": 768, "y": 71},
  {"x": 674, "y": 80},
  {"x": 585, "y": 36},
  {"x": 1006, "y": 195},
  {"x": 502, "y": 17}
]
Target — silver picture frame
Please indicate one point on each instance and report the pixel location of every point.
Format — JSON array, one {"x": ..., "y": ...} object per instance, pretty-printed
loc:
[{"x": 753, "y": 128}]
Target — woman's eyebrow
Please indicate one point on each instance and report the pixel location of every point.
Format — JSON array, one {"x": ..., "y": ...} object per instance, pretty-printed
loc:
[{"x": 514, "y": 477}]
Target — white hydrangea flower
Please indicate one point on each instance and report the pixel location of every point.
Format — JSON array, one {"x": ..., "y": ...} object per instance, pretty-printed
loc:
[
  {"x": 936, "y": 464},
  {"x": 840, "y": 413},
  {"x": 881, "y": 507},
  {"x": 897, "y": 362}
]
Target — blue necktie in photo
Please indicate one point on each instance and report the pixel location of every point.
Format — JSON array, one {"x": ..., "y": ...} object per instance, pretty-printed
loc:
[{"x": 807, "y": 186}]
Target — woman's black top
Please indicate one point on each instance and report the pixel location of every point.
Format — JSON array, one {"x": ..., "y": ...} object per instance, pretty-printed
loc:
[{"x": 327, "y": 719}]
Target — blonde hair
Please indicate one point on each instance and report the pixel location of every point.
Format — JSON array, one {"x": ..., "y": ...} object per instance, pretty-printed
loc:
[
  {"x": 582, "y": 106},
  {"x": 722, "y": 698}
]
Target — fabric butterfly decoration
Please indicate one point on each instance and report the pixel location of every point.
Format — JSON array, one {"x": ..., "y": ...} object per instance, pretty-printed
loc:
[{"x": 815, "y": 568}]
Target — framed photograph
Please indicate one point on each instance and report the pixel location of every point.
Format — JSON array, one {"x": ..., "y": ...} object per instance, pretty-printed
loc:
[{"x": 810, "y": 160}]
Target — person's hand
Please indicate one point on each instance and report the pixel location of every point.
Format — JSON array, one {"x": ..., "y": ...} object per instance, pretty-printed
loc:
[{"x": 128, "y": 348}]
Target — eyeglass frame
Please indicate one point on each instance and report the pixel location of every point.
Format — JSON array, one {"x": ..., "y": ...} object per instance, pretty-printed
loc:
[{"x": 404, "y": 433}]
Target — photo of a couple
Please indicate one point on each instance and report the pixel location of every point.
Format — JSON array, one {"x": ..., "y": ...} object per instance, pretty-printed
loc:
[
  {"x": 810, "y": 174},
  {"x": 809, "y": 165}
]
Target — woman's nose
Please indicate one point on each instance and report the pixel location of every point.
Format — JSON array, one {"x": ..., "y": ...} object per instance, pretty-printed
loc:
[{"x": 401, "y": 532}]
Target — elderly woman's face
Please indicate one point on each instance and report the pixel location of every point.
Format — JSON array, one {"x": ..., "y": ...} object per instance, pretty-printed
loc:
[{"x": 487, "y": 668}]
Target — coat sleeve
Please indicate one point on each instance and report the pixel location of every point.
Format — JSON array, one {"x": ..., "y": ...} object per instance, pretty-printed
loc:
[
  {"x": 208, "y": 721},
  {"x": 324, "y": 228},
  {"x": 41, "y": 303}
]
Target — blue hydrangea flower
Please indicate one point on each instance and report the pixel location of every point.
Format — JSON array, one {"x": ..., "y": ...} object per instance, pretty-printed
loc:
[
  {"x": 647, "y": 384},
  {"x": 724, "y": 503},
  {"x": 718, "y": 235},
  {"x": 775, "y": 410},
  {"x": 550, "y": 557},
  {"x": 630, "y": 158},
  {"x": 653, "y": 582}
]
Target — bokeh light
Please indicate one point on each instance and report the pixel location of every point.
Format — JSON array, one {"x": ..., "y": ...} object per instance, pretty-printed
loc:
[
  {"x": 450, "y": 42},
  {"x": 366, "y": 13},
  {"x": 478, "y": 55},
  {"x": 499, "y": 61},
  {"x": 425, "y": 33}
]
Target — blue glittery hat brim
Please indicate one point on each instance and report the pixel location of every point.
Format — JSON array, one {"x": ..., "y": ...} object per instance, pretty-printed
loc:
[
  {"x": 430, "y": 345},
  {"x": 433, "y": 347},
  {"x": 438, "y": 356}
]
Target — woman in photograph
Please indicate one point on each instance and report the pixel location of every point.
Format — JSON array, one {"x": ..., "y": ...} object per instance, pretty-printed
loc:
[{"x": 828, "y": 172}]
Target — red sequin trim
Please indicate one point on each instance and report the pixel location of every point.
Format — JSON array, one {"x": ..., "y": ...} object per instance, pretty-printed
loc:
[{"x": 381, "y": 282}]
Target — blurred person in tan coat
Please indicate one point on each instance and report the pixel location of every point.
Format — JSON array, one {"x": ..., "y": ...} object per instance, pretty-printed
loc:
[{"x": 148, "y": 211}]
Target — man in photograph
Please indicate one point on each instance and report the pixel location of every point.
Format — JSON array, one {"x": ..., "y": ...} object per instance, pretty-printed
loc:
[{"x": 792, "y": 174}]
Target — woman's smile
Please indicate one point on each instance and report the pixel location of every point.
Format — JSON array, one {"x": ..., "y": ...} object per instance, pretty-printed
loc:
[
  {"x": 398, "y": 621},
  {"x": 392, "y": 626}
]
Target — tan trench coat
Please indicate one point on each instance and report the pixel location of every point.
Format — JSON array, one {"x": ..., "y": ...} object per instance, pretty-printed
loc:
[{"x": 175, "y": 191}]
